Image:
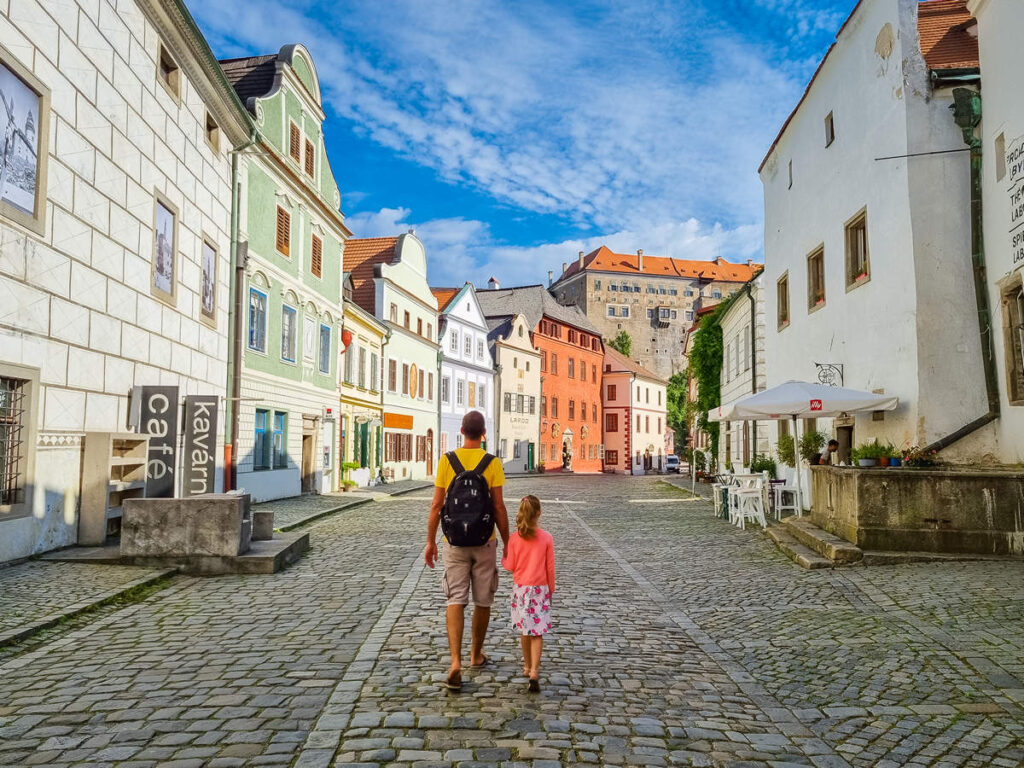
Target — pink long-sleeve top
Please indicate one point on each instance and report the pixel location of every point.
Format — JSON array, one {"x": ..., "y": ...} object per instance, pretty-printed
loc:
[{"x": 531, "y": 561}]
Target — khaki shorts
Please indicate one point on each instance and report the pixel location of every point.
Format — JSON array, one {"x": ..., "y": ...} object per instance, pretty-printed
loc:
[{"x": 473, "y": 568}]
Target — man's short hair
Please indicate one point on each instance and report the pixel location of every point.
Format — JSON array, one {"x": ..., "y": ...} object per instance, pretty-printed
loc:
[
  {"x": 833, "y": 442},
  {"x": 473, "y": 425}
]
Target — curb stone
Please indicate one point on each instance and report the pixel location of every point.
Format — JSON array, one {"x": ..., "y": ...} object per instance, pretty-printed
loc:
[
  {"x": 349, "y": 505},
  {"x": 12, "y": 636}
]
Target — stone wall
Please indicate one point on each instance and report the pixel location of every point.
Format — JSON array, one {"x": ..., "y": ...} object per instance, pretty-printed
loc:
[{"x": 925, "y": 510}]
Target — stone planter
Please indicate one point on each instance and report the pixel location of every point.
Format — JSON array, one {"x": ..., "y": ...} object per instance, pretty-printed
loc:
[{"x": 924, "y": 510}]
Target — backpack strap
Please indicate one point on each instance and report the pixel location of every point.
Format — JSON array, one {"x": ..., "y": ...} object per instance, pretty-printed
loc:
[
  {"x": 456, "y": 465},
  {"x": 484, "y": 463}
]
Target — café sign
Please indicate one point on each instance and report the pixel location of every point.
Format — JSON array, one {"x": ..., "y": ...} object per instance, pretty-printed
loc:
[{"x": 200, "y": 444}]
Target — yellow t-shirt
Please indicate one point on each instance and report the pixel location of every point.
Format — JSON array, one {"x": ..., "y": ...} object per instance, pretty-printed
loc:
[{"x": 494, "y": 475}]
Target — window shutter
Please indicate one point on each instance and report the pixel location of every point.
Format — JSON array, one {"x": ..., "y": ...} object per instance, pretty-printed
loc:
[
  {"x": 310, "y": 160},
  {"x": 317, "y": 262},
  {"x": 294, "y": 140},
  {"x": 284, "y": 226}
]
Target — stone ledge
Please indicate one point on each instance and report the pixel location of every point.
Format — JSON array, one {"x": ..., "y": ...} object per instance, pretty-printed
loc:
[
  {"x": 795, "y": 551},
  {"x": 837, "y": 550}
]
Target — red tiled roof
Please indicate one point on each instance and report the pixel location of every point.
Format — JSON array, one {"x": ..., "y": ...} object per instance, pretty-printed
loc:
[
  {"x": 605, "y": 260},
  {"x": 940, "y": 44},
  {"x": 945, "y": 42},
  {"x": 444, "y": 296},
  {"x": 620, "y": 362},
  {"x": 360, "y": 256}
]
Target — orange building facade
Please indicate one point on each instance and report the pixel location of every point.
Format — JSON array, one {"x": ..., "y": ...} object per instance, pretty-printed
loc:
[{"x": 571, "y": 362}]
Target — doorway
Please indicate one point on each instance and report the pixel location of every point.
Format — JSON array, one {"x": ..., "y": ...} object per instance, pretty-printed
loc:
[
  {"x": 529, "y": 457},
  {"x": 845, "y": 437},
  {"x": 308, "y": 454},
  {"x": 430, "y": 452}
]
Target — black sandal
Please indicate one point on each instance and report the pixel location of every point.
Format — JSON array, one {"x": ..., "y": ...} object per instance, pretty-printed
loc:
[
  {"x": 534, "y": 686},
  {"x": 454, "y": 681}
]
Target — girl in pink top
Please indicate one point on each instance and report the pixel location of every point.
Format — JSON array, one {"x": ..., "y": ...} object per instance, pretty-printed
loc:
[{"x": 530, "y": 555}]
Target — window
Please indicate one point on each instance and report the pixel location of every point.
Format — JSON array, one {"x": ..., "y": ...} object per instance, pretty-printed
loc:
[
  {"x": 347, "y": 372},
  {"x": 543, "y": 406},
  {"x": 516, "y": 450},
  {"x": 480, "y": 349},
  {"x": 638, "y": 423},
  {"x": 392, "y": 376},
  {"x": 257, "y": 320},
  {"x": 593, "y": 413},
  {"x": 624, "y": 312},
  {"x": 289, "y": 332},
  {"x": 638, "y": 394},
  {"x": 405, "y": 378},
  {"x": 816, "y": 279},
  {"x": 284, "y": 231},
  {"x": 393, "y": 313},
  {"x": 583, "y": 369},
  {"x": 520, "y": 331},
  {"x": 212, "y": 133},
  {"x": 647, "y": 396},
  {"x": 782, "y": 299},
  {"x": 611, "y": 422},
  {"x": 858, "y": 269},
  {"x": 554, "y": 364},
  {"x": 325, "y": 348},
  {"x": 746, "y": 348},
  {"x": 406, "y": 321},
  {"x": 279, "y": 445},
  {"x": 373, "y": 371},
  {"x": 790, "y": 174},
  {"x": 446, "y": 384},
  {"x": 168, "y": 73},
  {"x": 612, "y": 391},
  {"x": 611, "y": 311},
  {"x": 572, "y": 368},
  {"x": 520, "y": 406},
  {"x": 1013, "y": 331},
  {"x": 507, "y": 402},
  {"x": 430, "y": 331},
  {"x": 294, "y": 142},
  {"x": 453, "y": 340},
  {"x": 467, "y": 345},
  {"x": 310, "y": 159},
  {"x": 503, "y": 448},
  {"x": 717, "y": 294},
  {"x": 572, "y": 410},
  {"x": 421, "y": 379},
  {"x": 597, "y": 285},
  {"x": 830, "y": 129},
  {"x": 664, "y": 313},
  {"x": 316, "y": 261},
  {"x": 650, "y": 314},
  {"x": 481, "y": 400},
  {"x": 362, "y": 367},
  {"x": 543, "y": 360},
  {"x": 460, "y": 392},
  {"x": 471, "y": 402},
  {"x": 611, "y": 458},
  {"x": 613, "y": 287},
  {"x": 532, "y": 404},
  {"x": 14, "y": 441},
  {"x": 419, "y": 326},
  {"x": 260, "y": 448},
  {"x": 647, "y": 423},
  {"x": 554, "y": 407}
]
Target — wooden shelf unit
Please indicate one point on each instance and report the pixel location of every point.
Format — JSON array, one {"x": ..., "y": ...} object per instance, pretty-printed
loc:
[{"x": 113, "y": 469}]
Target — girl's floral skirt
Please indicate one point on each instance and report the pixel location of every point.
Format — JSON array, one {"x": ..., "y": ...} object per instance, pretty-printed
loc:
[{"x": 531, "y": 610}]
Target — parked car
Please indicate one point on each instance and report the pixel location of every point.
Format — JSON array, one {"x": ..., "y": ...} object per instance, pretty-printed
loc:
[{"x": 672, "y": 463}]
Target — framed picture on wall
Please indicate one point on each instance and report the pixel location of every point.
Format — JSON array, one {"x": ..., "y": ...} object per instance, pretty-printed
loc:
[
  {"x": 208, "y": 289},
  {"x": 165, "y": 250},
  {"x": 24, "y": 132}
]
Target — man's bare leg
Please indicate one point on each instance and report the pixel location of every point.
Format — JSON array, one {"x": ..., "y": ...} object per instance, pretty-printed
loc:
[
  {"x": 481, "y": 618},
  {"x": 455, "y": 618}
]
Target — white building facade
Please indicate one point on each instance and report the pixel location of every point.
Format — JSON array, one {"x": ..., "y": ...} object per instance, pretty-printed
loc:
[
  {"x": 115, "y": 235},
  {"x": 517, "y": 393},
  {"x": 867, "y": 234},
  {"x": 1002, "y": 137},
  {"x": 467, "y": 372},
  {"x": 743, "y": 374},
  {"x": 635, "y": 416},
  {"x": 389, "y": 276}
]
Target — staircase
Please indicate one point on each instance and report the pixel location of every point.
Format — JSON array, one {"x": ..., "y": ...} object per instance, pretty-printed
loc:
[{"x": 811, "y": 547}]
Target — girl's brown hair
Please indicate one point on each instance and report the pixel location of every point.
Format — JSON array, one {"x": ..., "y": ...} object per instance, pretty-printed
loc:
[{"x": 526, "y": 518}]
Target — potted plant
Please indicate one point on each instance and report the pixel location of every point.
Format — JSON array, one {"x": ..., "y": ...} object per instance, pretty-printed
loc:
[
  {"x": 914, "y": 456},
  {"x": 764, "y": 464},
  {"x": 895, "y": 457},
  {"x": 787, "y": 450},
  {"x": 540, "y": 467},
  {"x": 867, "y": 454},
  {"x": 346, "y": 484},
  {"x": 811, "y": 443}
]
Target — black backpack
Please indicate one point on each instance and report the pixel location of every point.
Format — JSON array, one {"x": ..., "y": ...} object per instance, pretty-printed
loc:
[{"x": 467, "y": 518}]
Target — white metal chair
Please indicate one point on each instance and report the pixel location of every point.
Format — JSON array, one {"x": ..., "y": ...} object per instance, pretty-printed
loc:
[
  {"x": 780, "y": 491},
  {"x": 748, "y": 502}
]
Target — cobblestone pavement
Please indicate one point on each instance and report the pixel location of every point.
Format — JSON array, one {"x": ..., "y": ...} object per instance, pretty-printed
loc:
[
  {"x": 38, "y": 591},
  {"x": 299, "y": 509},
  {"x": 679, "y": 640}
]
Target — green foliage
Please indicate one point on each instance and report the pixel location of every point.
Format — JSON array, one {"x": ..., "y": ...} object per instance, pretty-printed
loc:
[
  {"x": 787, "y": 450},
  {"x": 676, "y": 407},
  {"x": 622, "y": 343},
  {"x": 874, "y": 450},
  {"x": 347, "y": 465},
  {"x": 811, "y": 444},
  {"x": 706, "y": 369},
  {"x": 699, "y": 463},
  {"x": 764, "y": 464}
]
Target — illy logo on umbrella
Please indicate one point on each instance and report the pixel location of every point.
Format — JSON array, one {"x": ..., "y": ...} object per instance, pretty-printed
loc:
[{"x": 815, "y": 405}]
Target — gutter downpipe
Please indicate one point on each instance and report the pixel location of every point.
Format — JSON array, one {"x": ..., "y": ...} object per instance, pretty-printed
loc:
[
  {"x": 235, "y": 324},
  {"x": 753, "y": 357},
  {"x": 967, "y": 114}
]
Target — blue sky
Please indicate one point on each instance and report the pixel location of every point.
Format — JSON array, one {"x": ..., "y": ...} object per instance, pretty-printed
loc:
[{"x": 512, "y": 135}]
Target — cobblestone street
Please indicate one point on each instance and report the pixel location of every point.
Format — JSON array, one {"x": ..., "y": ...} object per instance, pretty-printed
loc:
[{"x": 679, "y": 640}]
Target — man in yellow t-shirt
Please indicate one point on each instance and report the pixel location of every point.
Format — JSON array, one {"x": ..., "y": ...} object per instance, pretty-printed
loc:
[{"x": 468, "y": 569}]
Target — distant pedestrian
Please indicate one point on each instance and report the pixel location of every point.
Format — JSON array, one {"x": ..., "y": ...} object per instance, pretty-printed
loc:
[
  {"x": 530, "y": 556},
  {"x": 469, "y": 507}
]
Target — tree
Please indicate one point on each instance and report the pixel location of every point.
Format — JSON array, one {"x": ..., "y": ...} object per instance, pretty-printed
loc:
[
  {"x": 675, "y": 402},
  {"x": 622, "y": 343}
]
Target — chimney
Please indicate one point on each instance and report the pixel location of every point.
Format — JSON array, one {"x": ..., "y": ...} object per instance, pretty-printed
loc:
[
  {"x": 640, "y": 259},
  {"x": 412, "y": 230},
  {"x": 493, "y": 284},
  {"x": 551, "y": 278},
  {"x": 564, "y": 267},
  {"x": 581, "y": 260}
]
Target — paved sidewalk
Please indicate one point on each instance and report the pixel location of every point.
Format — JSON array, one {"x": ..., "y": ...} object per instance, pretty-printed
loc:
[
  {"x": 297, "y": 511},
  {"x": 37, "y": 594}
]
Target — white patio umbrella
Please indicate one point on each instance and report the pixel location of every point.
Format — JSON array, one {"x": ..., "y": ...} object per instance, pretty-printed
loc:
[{"x": 801, "y": 400}]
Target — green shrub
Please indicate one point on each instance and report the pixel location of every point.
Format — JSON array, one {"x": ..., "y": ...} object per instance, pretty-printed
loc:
[
  {"x": 811, "y": 444},
  {"x": 786, "y": 449},
  {"x": 764, "y": 464}
]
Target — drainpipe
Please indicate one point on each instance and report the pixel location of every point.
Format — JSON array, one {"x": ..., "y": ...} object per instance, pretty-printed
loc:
[
  {"x": 753, "y": 357},
  {"x": 232, "y": 406},
  {"x": 967, "y": 114}
]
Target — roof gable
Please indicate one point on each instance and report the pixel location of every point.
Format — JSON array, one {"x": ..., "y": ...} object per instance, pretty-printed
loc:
[
  {"x": 360, "y": 257},
  {"x": 619, "y": 363},
  {"x": 605, "y": 260}
]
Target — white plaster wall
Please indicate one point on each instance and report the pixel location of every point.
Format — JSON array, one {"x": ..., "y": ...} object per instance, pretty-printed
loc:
[
  {"x": 875, "y": 329},
  {"x": 76, "y": 302},
  {"x": 621, "y": 404},
  {"x": 513, "y": 355},
  {"x": 1002, "y": 59}
]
